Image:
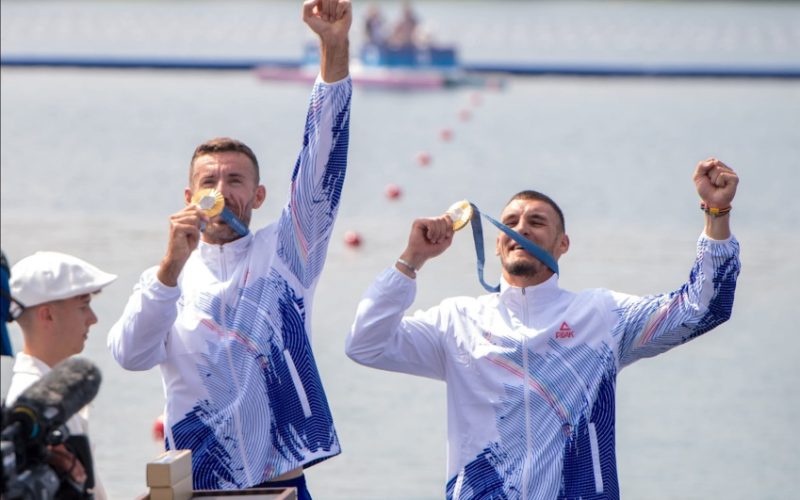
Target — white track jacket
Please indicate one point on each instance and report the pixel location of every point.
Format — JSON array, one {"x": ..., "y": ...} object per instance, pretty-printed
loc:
[
  {"x": 531, "y": 372},
  {"x": 232, "y": 340}
]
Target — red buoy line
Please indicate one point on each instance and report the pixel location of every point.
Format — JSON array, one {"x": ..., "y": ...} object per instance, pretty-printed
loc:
[{"x": 423, "y": 158}]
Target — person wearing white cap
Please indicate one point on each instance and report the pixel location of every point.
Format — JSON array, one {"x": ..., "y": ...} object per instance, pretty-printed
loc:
[{"x": 52, "y": 293}]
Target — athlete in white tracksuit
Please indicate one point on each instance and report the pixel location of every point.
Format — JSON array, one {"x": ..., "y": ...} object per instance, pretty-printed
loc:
[
  {"x": 227, "y": 319},
  {"x": 531, "y": 370}
]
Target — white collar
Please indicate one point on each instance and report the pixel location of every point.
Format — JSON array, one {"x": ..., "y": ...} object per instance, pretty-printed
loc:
[
  {"x": 235, "y": 246},
  {"x": 31, "y": 365}
]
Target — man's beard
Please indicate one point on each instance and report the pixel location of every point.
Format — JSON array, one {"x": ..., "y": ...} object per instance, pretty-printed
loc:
[
  {"x": 220, "y": 232},
  {"x": 523, "y": 268}
]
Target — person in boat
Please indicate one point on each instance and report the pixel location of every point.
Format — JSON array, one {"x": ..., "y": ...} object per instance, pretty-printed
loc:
[
  {"x": 405, "y": 32},
  {"x": 226, "y": 314},
  {"x": 374, "y": 26},
  {"x": 531, "y": 369},
  {"x": 51, "y": 293}
]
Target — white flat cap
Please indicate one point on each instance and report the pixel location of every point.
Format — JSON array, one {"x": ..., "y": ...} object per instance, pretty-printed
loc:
[{"x": 49, "y": 276}]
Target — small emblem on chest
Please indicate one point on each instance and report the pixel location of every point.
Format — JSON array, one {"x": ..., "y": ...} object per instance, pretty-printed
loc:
[{"x": 564, "y": 332}]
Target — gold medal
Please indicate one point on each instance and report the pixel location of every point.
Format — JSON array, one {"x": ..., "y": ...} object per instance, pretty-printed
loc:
[
  {"x": 210, "y": 201},
  {"x": 460, "y": 213}
]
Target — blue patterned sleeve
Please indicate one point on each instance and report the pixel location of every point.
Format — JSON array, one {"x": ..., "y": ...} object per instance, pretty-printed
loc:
[
  {"x": 307, "y": 220},
  {"x": 647, "y": 326}
]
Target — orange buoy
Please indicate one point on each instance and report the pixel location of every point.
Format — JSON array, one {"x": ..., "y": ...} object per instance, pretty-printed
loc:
[
  {"x": 424, "y": 158},
  {"x": 158, "y": 428},
  {"x": 446, "y": 134},
  {"x": 352, "y": 238},
  {"x": 393, "y": 191},
  {"x": 464, "y": 115}
]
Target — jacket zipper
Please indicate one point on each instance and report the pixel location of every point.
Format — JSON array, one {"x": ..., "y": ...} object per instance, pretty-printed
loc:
[{"x": 526, "y": 398}]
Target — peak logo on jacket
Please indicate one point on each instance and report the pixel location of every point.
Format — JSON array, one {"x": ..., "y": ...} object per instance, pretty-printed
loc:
[{"x": 564, "y": 332}]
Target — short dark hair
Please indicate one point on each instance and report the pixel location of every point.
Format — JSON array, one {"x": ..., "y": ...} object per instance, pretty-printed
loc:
[
  {"x": 530, "y": 194},
  {"x": 223, "y": 145}
]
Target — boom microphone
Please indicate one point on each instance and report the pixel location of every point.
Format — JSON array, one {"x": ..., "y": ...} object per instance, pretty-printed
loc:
[{"x": 55, "y": 398}]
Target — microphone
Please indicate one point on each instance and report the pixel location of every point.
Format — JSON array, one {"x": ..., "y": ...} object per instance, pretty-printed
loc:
[{"x": 55, "y": 398}]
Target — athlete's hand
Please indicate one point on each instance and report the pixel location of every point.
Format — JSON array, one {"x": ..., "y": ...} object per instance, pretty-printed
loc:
[
  {"x": 716, "y": 183},
  {"x": 184, "y": 236},
  {"x": 429, "y": 238},
  {"x": 330, "y": 19}
]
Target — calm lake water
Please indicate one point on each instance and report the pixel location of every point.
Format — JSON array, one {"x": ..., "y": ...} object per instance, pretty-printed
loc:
[{"x": 94, "y": 161}]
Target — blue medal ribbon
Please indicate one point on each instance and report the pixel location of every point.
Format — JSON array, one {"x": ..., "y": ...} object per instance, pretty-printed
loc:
[
  {"x": 234, "y": 222},
  {"x": 529, "y": 246}
]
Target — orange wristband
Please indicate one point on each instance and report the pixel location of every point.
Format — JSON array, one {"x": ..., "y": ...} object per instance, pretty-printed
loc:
[{"x": 714, "y": 211}]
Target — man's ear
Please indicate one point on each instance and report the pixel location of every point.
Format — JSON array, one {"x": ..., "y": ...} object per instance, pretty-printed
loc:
[
  {"x": 187, "y": 195},
  {"x": 44, "y": 312},
  {"x": 563, "y": 245},
  {"x": 261, "y": 195}
]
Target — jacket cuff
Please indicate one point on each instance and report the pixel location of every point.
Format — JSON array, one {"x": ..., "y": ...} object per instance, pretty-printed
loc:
[{"x": 155, "y": 289}]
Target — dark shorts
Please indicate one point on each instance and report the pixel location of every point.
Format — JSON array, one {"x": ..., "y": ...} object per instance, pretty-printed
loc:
[{"x": 298, "y": 482}]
